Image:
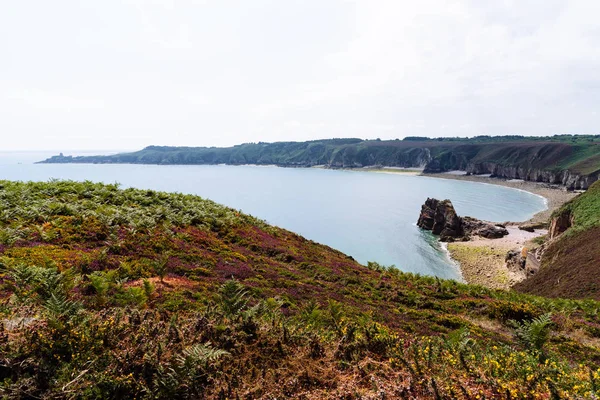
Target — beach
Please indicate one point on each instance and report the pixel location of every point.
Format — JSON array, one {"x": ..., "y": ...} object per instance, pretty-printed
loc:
[
  {"x": 379, "y": 169},
  {"x": 482, "y": 261}
]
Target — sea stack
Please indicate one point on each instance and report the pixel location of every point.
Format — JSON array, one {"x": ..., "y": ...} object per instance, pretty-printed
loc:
[{"x": 439, "y": 217}]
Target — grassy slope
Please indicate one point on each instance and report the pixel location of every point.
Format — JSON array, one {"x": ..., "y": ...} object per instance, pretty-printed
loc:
[
  {"x": 571, "y": 264},
  {"x": 585, "y": 209},
  {"x": 113, "y": 293}
]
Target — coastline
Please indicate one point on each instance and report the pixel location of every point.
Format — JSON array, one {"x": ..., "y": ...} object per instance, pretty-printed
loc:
[
  {"x": 554, "y": 195},
  {"x": 482, "y": 261}
]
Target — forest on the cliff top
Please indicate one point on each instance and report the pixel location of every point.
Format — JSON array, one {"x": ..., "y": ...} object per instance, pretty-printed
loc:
[{"x": 111, "y": 293}]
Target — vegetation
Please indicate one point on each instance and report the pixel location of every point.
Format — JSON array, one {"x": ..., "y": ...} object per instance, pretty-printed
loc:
[
  {"x": 109, "y": 293},
  {"x": 506, "y": 156},
  {"x": 584, "y": 210},
  {"x": 571, "y": 260}
]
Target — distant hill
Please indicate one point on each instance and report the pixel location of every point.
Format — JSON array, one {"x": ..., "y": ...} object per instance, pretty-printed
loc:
[
  {"x": 569, "y": 160},
  {"x": 571, "y": 261}
]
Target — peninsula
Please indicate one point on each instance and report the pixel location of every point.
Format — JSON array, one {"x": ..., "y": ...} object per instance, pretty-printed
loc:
[{"x": 572, "y": 161}]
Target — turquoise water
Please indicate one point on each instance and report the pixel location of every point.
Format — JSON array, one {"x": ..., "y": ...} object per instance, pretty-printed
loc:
[{"x": 370, "y": 216}]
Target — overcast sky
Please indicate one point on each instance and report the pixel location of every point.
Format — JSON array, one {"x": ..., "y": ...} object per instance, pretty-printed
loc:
[{"x": 126, "y": 74}]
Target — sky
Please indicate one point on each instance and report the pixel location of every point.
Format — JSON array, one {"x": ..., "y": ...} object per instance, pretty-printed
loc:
[{"x": 131, "y": 73}]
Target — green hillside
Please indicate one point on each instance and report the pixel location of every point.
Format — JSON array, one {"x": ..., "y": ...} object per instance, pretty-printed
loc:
[
  {"x": 110, "y": 293},
  {"x": 572, "y": 161},
  {"x": 584, "y": 209}
]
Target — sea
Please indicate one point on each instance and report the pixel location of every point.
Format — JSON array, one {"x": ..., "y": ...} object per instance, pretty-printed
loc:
[{"x": 368, "y": 215}]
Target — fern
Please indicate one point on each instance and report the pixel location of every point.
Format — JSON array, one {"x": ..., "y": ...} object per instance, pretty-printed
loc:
[
  {"x": 186, "y": 376},
  {"x": 232, "y": 298},
  {"x": 161, "y": 267},
  {"x": 148, "y": 288},
  {"x": 535, "y": 333},
  {"x": 336, "y": 315},
  {"x": 60, "y": 308},
  {"x": 312, "y": 314},
  {"x": 99, "y": 282},
  {"x": 200, "y": 355}
]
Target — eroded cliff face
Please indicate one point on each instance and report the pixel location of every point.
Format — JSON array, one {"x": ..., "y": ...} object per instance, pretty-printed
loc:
[
  {"x": 377, "y": 157},
  {"x": 565, "y": 178},
  {"x": 570, "y": 258},
  {"x": 423, "y": 158},
  {"x": 559, "y": 224}
]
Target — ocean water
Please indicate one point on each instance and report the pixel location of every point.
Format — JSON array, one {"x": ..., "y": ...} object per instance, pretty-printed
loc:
[{"x": 370, "y": 216}]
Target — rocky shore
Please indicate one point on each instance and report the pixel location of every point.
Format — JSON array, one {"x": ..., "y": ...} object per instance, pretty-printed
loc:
[
  {"x": 486, "y": 262},
  {"x": 555, "y": 195},
  {"x": 500, "y": 262}
]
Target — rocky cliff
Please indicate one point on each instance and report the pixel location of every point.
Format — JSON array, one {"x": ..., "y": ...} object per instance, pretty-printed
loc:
[
  {"x": 439, "y": 217},
  {"x": 560, "y": 223},
  {"x": 573, "y": 163},
  {"x": 570, "y": 180}
]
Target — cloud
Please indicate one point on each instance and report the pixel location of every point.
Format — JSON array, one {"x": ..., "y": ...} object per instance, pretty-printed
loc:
[
  {"x": 43, "y": 100},
  {"x": 195, "y": 72}
]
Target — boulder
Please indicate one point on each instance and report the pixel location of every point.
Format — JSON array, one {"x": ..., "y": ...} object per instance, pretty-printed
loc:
[
  {"x": 532, "y": 226},
  {"x": 491, "y": 232},
  {"x": 514, "y": 260},
  {"x": 527, "y": 228}
]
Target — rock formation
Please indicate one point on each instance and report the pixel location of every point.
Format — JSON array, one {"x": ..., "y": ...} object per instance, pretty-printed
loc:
[
  {"x": 484, "y": 229},
  {"x": 439, "y": 217},
  {"x": 570, "y": 180},
  {"x": 523, "y": 261},
  {"x": 560, "y": 223}
]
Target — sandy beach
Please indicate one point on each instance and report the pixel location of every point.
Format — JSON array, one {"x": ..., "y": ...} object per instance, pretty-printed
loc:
[
  {"x": 482, "y": 261},
  {"x": 382, "y": 170}
]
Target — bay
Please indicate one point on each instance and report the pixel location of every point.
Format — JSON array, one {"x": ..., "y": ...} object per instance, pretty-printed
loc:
[{"x": 370, "y": 216}]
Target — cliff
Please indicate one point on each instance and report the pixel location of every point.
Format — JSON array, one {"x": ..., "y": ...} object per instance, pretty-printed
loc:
[
  {"x": 570, "y": 161},
  {"x": 570, "y": 259}
]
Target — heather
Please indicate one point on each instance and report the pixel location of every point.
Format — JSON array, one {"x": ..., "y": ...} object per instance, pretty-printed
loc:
[{"x": 111, "y": 293}]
